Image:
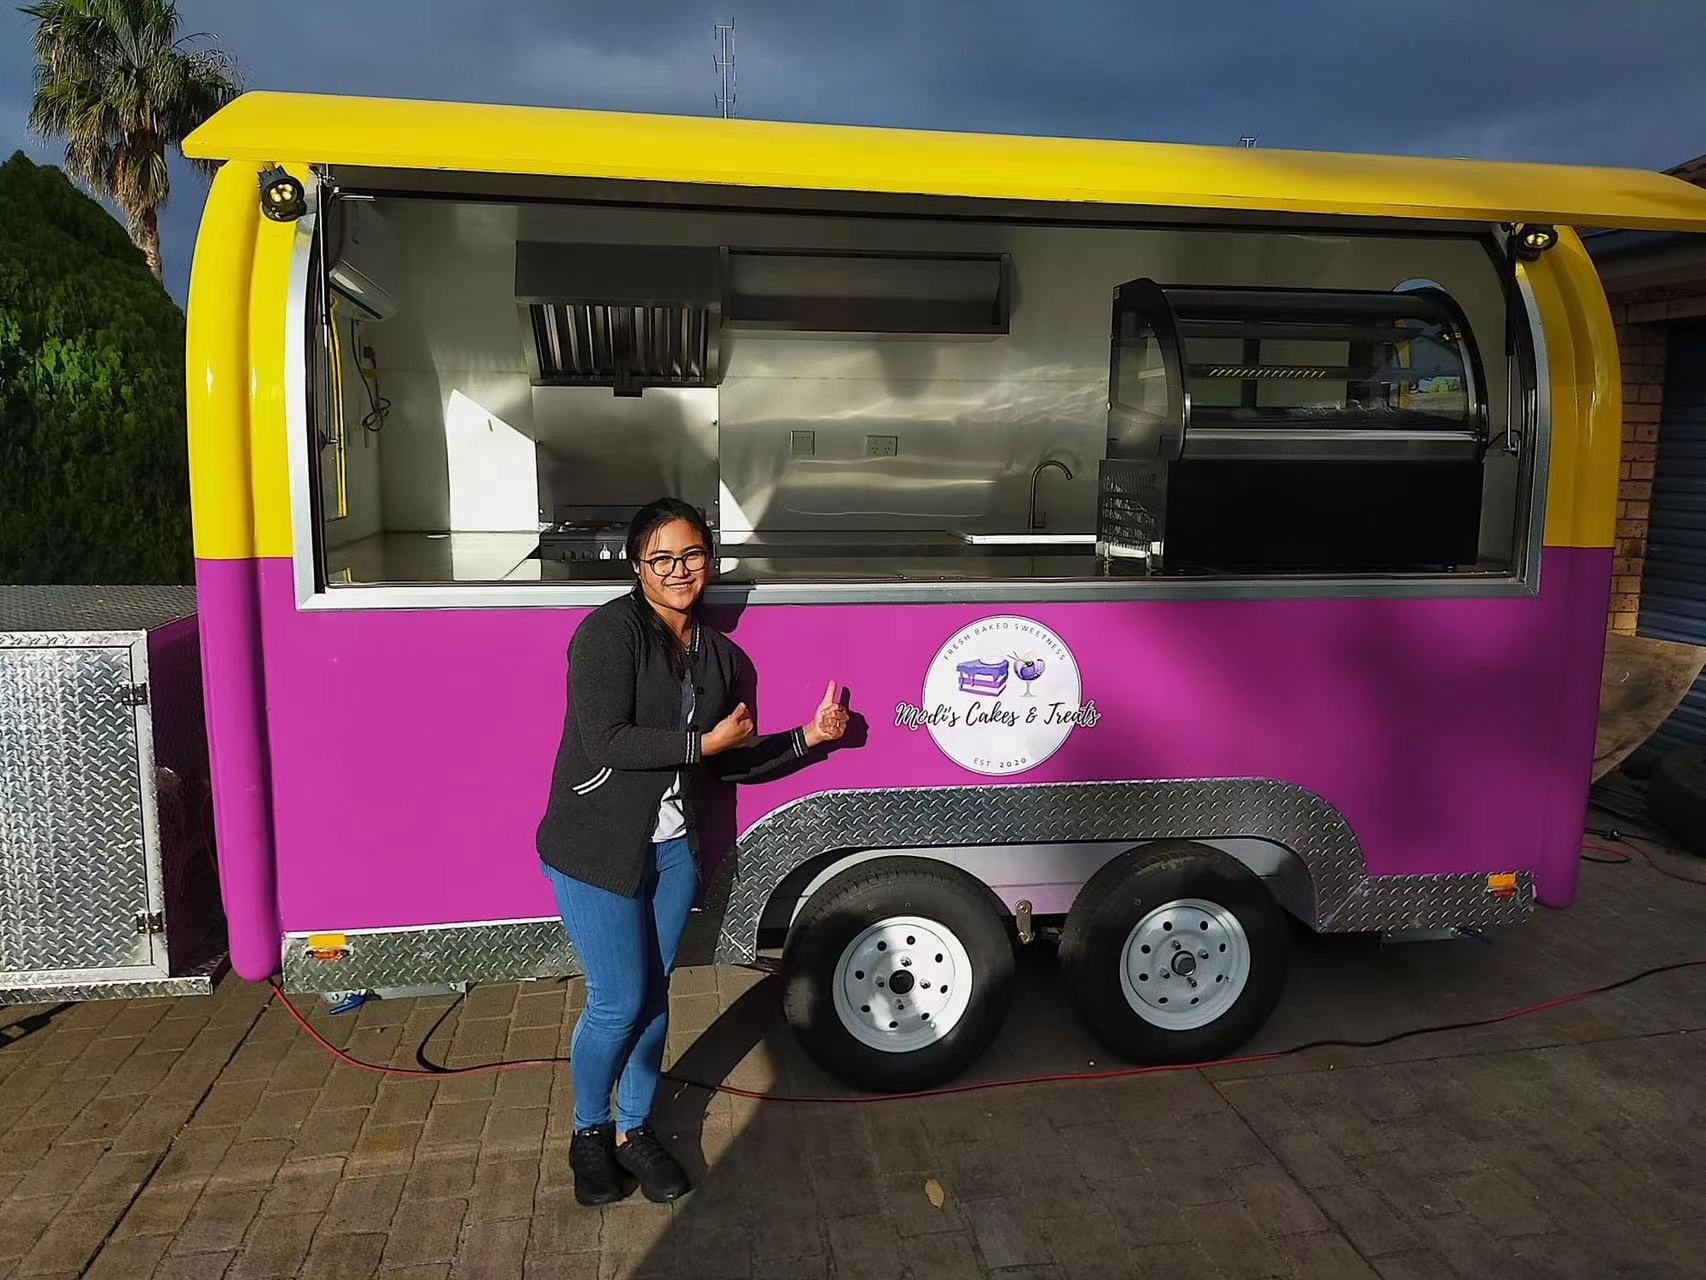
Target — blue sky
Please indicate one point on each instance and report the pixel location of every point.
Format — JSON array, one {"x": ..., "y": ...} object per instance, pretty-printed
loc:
[{"x": 1582, "y": 81}]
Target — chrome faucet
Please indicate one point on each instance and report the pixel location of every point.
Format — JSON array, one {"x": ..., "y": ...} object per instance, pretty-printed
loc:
[{"x": 1036, "y": 521}]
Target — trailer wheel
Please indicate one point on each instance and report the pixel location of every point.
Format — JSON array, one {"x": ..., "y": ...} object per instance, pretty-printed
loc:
[
  {"x": 898, "y": 973},
  {"x": 1175, "y": 952}
]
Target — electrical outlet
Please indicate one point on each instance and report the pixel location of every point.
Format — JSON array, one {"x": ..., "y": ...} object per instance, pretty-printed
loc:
[
  {"x": 802, "y": 444},
  {"x": 882, "y": 446}
]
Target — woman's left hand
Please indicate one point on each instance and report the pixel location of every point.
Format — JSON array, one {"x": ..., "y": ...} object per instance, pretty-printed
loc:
[{"x": 830, "y": 720}]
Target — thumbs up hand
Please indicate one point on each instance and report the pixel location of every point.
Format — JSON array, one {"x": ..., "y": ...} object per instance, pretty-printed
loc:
[
  {"x": 733, "y": 730},
  {"x": 829, "y": 721}
]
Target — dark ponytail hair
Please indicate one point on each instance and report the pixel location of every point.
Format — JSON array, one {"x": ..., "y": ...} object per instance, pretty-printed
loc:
[{"x": 647, "y": 521}]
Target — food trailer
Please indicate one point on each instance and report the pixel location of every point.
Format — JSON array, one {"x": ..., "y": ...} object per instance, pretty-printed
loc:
[{"x": 1202, "y": 537}]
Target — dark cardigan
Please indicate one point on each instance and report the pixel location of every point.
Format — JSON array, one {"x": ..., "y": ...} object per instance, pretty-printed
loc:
[{"x": 625, "y": 736}]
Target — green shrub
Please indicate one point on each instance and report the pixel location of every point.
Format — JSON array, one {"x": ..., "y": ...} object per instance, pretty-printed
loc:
[{"x": 93, "y": 463}]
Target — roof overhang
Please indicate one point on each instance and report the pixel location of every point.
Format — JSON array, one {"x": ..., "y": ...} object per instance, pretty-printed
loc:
[{"x": 475, "y": 138}]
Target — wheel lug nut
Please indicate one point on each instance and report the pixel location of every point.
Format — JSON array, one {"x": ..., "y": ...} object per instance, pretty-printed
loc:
[
  {"x": 1202, "y": 955},
  {"x": 906, "y": 962},
  {"x": 1177, "y": 944}
]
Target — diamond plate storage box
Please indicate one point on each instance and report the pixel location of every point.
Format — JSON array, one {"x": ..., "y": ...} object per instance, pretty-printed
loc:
[{"x": 106, "y": 883}]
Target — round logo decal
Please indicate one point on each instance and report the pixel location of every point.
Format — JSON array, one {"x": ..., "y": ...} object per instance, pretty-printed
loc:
[{"x": 1000, "y": 696}]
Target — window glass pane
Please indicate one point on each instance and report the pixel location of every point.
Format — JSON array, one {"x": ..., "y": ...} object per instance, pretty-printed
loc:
[{"x": 510, "y": 382}]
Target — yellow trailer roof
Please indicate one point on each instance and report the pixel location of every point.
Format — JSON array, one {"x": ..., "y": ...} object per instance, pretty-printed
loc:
[{"x": 403, "y": 134}]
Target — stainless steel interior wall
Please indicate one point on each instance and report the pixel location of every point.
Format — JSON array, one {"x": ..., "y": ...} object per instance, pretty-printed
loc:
[
  {"x": 970, "y": 417},
  {"x": 597, "y": 448}
]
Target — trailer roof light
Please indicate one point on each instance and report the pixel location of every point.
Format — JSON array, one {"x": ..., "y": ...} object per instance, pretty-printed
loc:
[
  {"x": 282, "y": 199},
  {"x": 1532, "y": 239}
]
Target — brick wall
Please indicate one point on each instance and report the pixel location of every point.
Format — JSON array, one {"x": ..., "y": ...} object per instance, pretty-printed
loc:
[
  {"x": 1641, "y": 350},
  {"x": 1641, "y": 317}
]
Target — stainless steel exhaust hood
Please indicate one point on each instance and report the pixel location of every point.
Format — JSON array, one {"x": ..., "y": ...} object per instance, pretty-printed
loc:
[{"x": 626, "y": 317}]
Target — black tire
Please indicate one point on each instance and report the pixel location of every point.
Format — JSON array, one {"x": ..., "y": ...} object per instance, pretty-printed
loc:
[
  {"x": 1112, "y": 904},
  {"x": 1676, "y": 797},
  {"x": 840, "y": 912}
]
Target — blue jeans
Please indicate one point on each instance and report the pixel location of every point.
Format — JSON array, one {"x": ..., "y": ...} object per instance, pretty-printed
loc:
[{"x": 626, "y": 948}]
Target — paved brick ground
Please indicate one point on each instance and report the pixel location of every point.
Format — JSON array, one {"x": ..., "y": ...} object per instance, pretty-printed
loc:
[{"x": 209, "y": 1137}]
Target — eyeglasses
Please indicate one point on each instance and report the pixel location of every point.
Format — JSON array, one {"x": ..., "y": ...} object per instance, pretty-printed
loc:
[{"x": 663, "y": 564}]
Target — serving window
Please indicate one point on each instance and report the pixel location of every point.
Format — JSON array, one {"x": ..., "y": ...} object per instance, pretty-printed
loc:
[{"x": 893, "y": 405}]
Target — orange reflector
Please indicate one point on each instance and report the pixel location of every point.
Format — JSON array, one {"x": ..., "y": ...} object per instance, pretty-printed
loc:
[
  {"x": 1502, "y": 885},
  {"x": 326, "y": 946}
]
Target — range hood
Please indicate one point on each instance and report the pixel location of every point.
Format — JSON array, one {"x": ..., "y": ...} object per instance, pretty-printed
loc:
[
  {"x": 829, "y": 291},
  {"x": 626, "y": 317}
]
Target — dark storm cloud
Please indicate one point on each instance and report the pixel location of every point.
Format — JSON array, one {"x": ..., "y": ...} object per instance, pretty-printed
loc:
[{"x": 1583, "y": 81}]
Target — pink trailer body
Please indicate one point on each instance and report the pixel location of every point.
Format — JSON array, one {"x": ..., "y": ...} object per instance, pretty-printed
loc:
[{"x": 1453, "y": 735}]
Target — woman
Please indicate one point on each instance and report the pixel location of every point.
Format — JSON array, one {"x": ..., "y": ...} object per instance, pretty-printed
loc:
[{"x": 651, "y": 708}]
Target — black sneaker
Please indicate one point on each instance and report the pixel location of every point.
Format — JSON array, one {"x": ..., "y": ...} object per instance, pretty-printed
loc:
[
  {"x": 592, "y": 1160},
  {"x": 661, "y": 1178}
]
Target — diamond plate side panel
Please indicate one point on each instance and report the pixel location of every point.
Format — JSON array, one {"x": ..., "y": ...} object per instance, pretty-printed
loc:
[
  {"x": 73, "y": 865},
  {"x": 51, "y": 988},
  {"x": 1081, "y": 811},
  {"x": 1384, "y": 903},
  {"x": 506, "y": 951},
  {"x": 520, "y": 950},
  {"x": 1345, "y": 898},
  {"x": 51, "y": 616}
]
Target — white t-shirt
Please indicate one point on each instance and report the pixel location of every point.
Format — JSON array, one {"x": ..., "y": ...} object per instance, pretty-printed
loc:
[{"x": 672, "y": 823}]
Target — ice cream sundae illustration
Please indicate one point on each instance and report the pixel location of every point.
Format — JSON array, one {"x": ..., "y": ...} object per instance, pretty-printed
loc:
[
  {"x": 983, "y": 676},
  {"x": 1027, "y": 668}
]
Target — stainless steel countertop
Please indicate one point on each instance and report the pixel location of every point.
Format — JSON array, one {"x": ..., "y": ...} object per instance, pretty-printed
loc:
[
  {"x": 432, "y": 557},
  {"x": 875, "y": 556}
]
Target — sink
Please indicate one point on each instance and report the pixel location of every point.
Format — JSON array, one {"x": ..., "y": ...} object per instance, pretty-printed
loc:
[
  {"x": 779, "y": 547},
  {"x": 901, "y": 544}
]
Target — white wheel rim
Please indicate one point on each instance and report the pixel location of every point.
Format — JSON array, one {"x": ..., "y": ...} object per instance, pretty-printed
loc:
[
  {"x": 1184, "y": 964},
  {"x": 928, "y": 965}
]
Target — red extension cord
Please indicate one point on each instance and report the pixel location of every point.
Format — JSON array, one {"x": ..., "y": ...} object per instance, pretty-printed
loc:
[
  {"x": 1619, "y": 857},
  {"x": 1115, "y": 1073}
]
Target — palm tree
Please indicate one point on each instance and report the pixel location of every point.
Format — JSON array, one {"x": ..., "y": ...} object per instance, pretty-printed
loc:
[{"x": 117, "y": 82}]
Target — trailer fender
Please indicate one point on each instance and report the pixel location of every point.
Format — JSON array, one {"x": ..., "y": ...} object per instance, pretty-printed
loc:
[{"x": 1341, "y": 898}]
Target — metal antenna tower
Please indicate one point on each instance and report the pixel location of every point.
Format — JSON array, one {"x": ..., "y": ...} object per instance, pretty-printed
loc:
[
  {"x": 723, "y": 34},
  {"x": 1248, "y": 140}
]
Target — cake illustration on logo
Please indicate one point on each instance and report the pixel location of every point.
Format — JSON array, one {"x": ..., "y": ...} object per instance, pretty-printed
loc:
[{"x": 983, "y": 676}]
